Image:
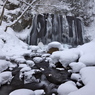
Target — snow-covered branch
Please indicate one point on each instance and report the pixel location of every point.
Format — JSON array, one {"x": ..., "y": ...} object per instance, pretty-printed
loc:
[
  {"x": 1, "y": 17},
  {"x": 15, "y": 21},
  {"x": 25, "y": 3}
]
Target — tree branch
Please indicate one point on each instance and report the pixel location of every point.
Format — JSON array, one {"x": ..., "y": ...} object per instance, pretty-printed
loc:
[
  {"x": 1, "y": 17},
  {"x": 15, "y": 21}
]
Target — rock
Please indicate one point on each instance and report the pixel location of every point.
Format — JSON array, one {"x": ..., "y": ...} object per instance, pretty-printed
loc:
[
  {"x": 5, "y": 77},
  {"x": 4, "y": 65},
  {"x": 56, "y": 76},
  {"x": 54, "y": 46},
  {"x": 66, "y": 88},
  {"x": 30, "y": 63},
  {"x": 51, "y": 50},
  {"x": 39, "y": 92},
  {"x": 22, "y": 92}
]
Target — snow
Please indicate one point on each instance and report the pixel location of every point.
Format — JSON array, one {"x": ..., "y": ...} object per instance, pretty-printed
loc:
[
  {"x": 30, "y": 63},
  {"x": 65, "y": 57},
  {"x": 5, "y": 77},
  {"x": 77, "y": 66},
  {"x": 13, "y": 49},
  {"x": 34, "y": 48},
  {"x": 23, "y": 65},
  {"x": 28, "y": 77},
  {"x": 12, "y": 45},
  {"x": 87, "y": 75},
  {"x": 22, "y": 92},
  {"x": 17, "y": 59},
  {"x": 25, "y": 69},
  {"x": 66, "y": 88},
  {"x": 87, "y": 48},
  {"x": 37, "y": 59},
  {"x": 14, "y": 2},
  {"x": 39, "y": 92},
  {"x": 3, "y": 65},
  {"x": 12, "y": 65},
  {"x": 55, "y": 45},
  {"x": 27, "y": 92},
  {"x": 88, "y": 59},
  {"x": 23, "y": 34},
  {"x": 76, "y": 76},
  {"x": 88, "y": 78}
]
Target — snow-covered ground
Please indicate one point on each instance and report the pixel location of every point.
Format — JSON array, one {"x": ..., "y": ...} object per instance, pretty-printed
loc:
[
  {"x": 80, "y": 60},
  {"x": 14, "y": 53}
]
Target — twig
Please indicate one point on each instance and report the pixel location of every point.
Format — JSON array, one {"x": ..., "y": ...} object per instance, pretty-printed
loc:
[
  {"x": 1, "y": 17},
  {"x": 15, "y": 21}
]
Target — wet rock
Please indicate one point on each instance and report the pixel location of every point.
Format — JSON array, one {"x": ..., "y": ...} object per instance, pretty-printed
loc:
[
  {"x": 56, "y": 76},
  {"x": 51, "y": 50}
]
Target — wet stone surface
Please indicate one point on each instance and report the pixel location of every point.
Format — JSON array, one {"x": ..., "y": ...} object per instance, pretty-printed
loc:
[{"x": 52, "y": 79}]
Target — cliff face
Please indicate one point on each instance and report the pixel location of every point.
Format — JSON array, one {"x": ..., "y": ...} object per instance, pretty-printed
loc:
[{"x": 84, "y": 9}]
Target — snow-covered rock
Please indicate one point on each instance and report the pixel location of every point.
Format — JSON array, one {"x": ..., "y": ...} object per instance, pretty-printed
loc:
[
  {"x": 39, "y": 92},
  {"x": 28, "y": 77},
  {"x": 45, "y": 55},
  {"x": 30, "y": 63},
  {"x": 88, "y": 59},
  {"x": 88, "y": 78},
  {"x": 23, "y": 66},
  {"x": 49, "y": 59},
  {"x": 17, "y": 59},
  {"x": 37, "y": 59},
  {"x": 77, "y": 66},
  {"x": 1, "y": 43},
  {"x": 12, "y": 66},
  {"x": 25, "y": 69},
  {"x": 2, "y": 55},
  {"x": 66, "y": 88},
  {"x": 87, "y": 75},
  {"x": 5, "y": 77},
  {"x": 22, "y": 92},
  {"x": 55, "y": 45},
  {"x": 87, "y": 48},
  {"x": 34, "y": 48},
  {"x": 65, "y": 57},
  {"x": 4, "y": 65},
  {"x": 75, "y": 77}
]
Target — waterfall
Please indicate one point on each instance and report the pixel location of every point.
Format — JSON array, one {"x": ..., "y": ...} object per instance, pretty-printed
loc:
[{"x": 55, "y": 27}]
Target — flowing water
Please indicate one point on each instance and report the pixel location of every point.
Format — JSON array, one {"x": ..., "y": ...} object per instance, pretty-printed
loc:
[{"x": 54, "y": 27}]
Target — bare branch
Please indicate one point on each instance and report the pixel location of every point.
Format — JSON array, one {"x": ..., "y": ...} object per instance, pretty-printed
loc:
[
  {"x": 1, "y": 17},
  {"x": 25, "y": 3},
  {"x": 15, "y": 21}
]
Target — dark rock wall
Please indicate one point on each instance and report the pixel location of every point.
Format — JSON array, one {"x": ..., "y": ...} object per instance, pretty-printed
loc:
[{"x": 52, "y": 27}]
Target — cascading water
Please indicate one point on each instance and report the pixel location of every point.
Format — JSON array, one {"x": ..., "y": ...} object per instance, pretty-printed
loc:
[{"x": 55, "y": 27}]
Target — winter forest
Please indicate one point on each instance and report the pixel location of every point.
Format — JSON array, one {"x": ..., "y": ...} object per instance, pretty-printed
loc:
[{"x": 47, "y": 47}]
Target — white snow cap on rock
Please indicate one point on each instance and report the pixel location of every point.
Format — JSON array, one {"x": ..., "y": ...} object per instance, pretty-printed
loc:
[
  {"x": 66, "y": 88},
  {"x": 34, "y": 48},
  {"x": 37, "y": 59},
  {"x": 65, "y": 57},
  {"x": 30, "y": 63},
  {"x": 87, "y": 48},
  {"x": 22, "y": 92},
  {"x": 39, "y": 92},
  {"x": 88, "y": 75},
  {"x": 88, "y": 59},
  {"x": 5, "y": 77},
  {"x": 75, "y": 76},
  {"x": 25, "y": 69},
  {"x": 77, "y": 66},
  {"x": 88, "y": 78},
  {"x": 55, "y": 45},
  {"x": 4, "y": 65}
]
